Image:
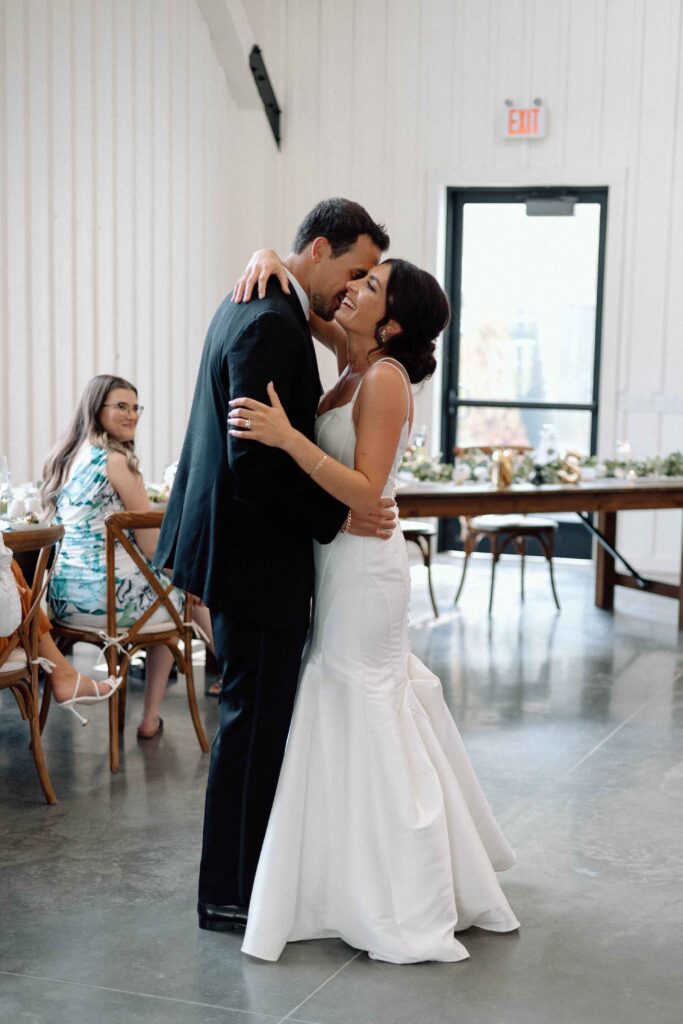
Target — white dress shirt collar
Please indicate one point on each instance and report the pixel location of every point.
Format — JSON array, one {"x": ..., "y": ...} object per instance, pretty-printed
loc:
[{"x": 300, "y": 293}]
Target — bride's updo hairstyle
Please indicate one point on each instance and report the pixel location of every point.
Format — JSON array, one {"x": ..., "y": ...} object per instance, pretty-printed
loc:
[{"x": 417, "y": 302}]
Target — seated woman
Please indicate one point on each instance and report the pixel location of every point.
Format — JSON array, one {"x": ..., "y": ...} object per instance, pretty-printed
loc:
[
  {"x": 92, "y": 471},
  {"x": 69, "y": 687}
]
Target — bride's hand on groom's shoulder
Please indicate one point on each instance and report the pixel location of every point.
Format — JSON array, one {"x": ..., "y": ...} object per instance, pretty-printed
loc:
[
  {"x": 380, "y": 523},
  {"x": 262, "y": 265}
]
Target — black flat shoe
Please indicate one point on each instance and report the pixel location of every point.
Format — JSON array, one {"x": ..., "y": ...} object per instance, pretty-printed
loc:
[
  {"x": 151, "y": 735},
  {"x": 226, "y": 918}
]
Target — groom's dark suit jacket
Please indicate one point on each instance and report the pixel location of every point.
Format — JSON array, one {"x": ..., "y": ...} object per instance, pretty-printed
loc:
[{"x": 241, "y": 516}]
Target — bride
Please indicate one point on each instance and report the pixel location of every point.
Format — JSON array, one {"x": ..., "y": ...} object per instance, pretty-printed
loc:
[{"x": 380, "y": 833}]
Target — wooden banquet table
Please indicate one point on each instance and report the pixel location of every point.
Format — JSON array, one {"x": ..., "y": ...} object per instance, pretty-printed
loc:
[{"x": 606, "y": 497}]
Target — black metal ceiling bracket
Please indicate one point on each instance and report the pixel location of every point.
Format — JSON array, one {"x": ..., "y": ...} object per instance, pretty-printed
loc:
[{"x": 266, "y": 92}]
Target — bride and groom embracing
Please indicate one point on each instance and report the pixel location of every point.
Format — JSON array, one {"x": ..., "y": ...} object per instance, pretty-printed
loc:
[{"x": 370, "y": 826}]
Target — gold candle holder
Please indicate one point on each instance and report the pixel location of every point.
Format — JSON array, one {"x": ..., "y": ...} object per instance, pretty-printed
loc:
[{"x": 503, "y": 471}]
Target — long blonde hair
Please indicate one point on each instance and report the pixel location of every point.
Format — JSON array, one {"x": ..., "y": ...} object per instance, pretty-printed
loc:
[{"x": 85, "y": 426}]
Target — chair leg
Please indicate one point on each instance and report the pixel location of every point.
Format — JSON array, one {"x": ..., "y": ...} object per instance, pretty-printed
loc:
[
  {"x": 519, "y": 544},
  {"x": 45, "y": 703},
  {"x": 21, "y": 696},
  {"x": 462, "y": 578},
  {"x": 469, "y": 545},
  {"x": 114, "y": 713},
  {"x": 123, "y": 694},
  {"x": 432, "y": 595},
  {"x": 123, "y": 689},
  {"x": 426, "y": 549},
  {"x": 37, "y": 748},
  {"x": 114, "y": 746},
  {"x": 547, "y": 546},
  {"x": 192, "y": 695},
  {"x": 552, "y": 584},
  {"x": 494, "y": 562}
]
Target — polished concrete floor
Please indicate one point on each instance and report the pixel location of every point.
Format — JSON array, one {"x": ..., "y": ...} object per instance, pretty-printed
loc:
[{"x": 574, "y": 722}]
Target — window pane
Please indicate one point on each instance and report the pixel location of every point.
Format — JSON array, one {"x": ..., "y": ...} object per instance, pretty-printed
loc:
[
  {"x": 488, "y": 425},
  {"x": 529, "y": 287}
]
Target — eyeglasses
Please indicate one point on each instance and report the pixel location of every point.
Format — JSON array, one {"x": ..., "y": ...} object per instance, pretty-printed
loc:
[{"x": 137, "y": 410}]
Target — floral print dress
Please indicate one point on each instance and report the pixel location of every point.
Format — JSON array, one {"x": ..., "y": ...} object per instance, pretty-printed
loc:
[{"x": 78, "y": 589}]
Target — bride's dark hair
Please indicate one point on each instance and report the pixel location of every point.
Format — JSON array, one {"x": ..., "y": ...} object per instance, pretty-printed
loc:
[{"x": 417, "y": 302}]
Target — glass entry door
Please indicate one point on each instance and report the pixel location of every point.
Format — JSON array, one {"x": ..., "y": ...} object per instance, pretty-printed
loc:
[{"x": 524, "y": 275}]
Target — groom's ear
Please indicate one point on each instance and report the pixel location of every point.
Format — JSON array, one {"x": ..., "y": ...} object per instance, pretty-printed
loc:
[{"x": 320, "y": 248}]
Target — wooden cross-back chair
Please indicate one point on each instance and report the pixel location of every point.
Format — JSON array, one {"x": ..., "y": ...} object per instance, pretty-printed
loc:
[
  {"x": 121, "y": 644},
  {"x": 19, "y": 662},
  {"x": 503, "y": 530}
]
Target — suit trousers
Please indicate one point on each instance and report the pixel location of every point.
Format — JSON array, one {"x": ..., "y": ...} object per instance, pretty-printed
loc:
[{"x": 260, "y": 666}]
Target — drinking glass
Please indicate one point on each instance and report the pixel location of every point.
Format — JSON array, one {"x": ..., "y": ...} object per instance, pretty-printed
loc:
[
  {"x": 420, "y": 436},
  {"x": 624, "y": 454}
]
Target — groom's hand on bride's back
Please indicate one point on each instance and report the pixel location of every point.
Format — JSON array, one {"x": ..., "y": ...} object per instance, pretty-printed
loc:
[{"x": 380, "y": 523}]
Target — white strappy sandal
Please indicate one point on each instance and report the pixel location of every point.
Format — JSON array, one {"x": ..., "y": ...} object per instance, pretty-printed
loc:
[{"x": 70, "y": 704}]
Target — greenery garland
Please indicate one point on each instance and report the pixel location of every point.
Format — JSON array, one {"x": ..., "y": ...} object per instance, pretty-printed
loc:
[{"x": 476, "y": 466}]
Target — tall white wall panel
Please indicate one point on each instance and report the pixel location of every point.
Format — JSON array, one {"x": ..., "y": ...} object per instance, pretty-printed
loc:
[{"x": 131, "y": 188}]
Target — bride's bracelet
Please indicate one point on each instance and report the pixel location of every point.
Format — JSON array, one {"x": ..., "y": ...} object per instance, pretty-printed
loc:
[
  {"x": 319, "y": 465},
  {"x": 347, "y": 523}
]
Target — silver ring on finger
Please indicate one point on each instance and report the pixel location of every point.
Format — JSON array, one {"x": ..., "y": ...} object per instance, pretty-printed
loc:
[{"x": 247, "y": 424}]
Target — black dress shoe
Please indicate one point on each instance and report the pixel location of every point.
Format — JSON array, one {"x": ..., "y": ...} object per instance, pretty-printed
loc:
[{"x": 224, "y": 918}]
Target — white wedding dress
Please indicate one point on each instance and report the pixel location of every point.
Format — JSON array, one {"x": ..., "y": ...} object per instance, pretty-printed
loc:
[{"x": 380, "y": 833}]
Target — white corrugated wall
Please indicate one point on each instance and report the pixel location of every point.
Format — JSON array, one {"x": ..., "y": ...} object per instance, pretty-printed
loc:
[{"x": 130, "y": 189}]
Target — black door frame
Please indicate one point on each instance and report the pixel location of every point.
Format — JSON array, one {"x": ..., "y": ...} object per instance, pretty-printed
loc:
[{"x": 450, "y": 402}]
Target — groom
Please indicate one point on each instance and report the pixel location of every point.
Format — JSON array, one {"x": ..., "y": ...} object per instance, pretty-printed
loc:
[{"x": 239, "y": 528}]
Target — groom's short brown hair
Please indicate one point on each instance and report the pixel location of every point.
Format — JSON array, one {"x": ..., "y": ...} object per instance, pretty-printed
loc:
[{"x": 341, "y": 222}]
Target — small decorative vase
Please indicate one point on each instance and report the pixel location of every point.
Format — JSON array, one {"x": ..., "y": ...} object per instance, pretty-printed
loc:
[{"x": 503, "y": 471}]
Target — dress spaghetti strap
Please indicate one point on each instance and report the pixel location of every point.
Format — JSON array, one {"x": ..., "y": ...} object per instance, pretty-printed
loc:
[
  {"x": 390, "y": 361},
  {"x": 402, "y": 370},
  {"x": 399, "y": 369}
]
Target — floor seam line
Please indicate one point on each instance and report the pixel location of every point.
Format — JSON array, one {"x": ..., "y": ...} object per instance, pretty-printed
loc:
[
  {"x": 343, "y": 967},
  {"x": 614, "y": 732},
  {"x": 593, "y": 750},
  {"x": 141, "y": 995}
]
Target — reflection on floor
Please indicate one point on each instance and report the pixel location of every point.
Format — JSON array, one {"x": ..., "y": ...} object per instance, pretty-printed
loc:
[{"x": 574, "y": 722}]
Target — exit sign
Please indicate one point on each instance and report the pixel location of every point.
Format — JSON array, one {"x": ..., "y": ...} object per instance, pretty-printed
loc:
[{"x": 524, "y": 122}]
